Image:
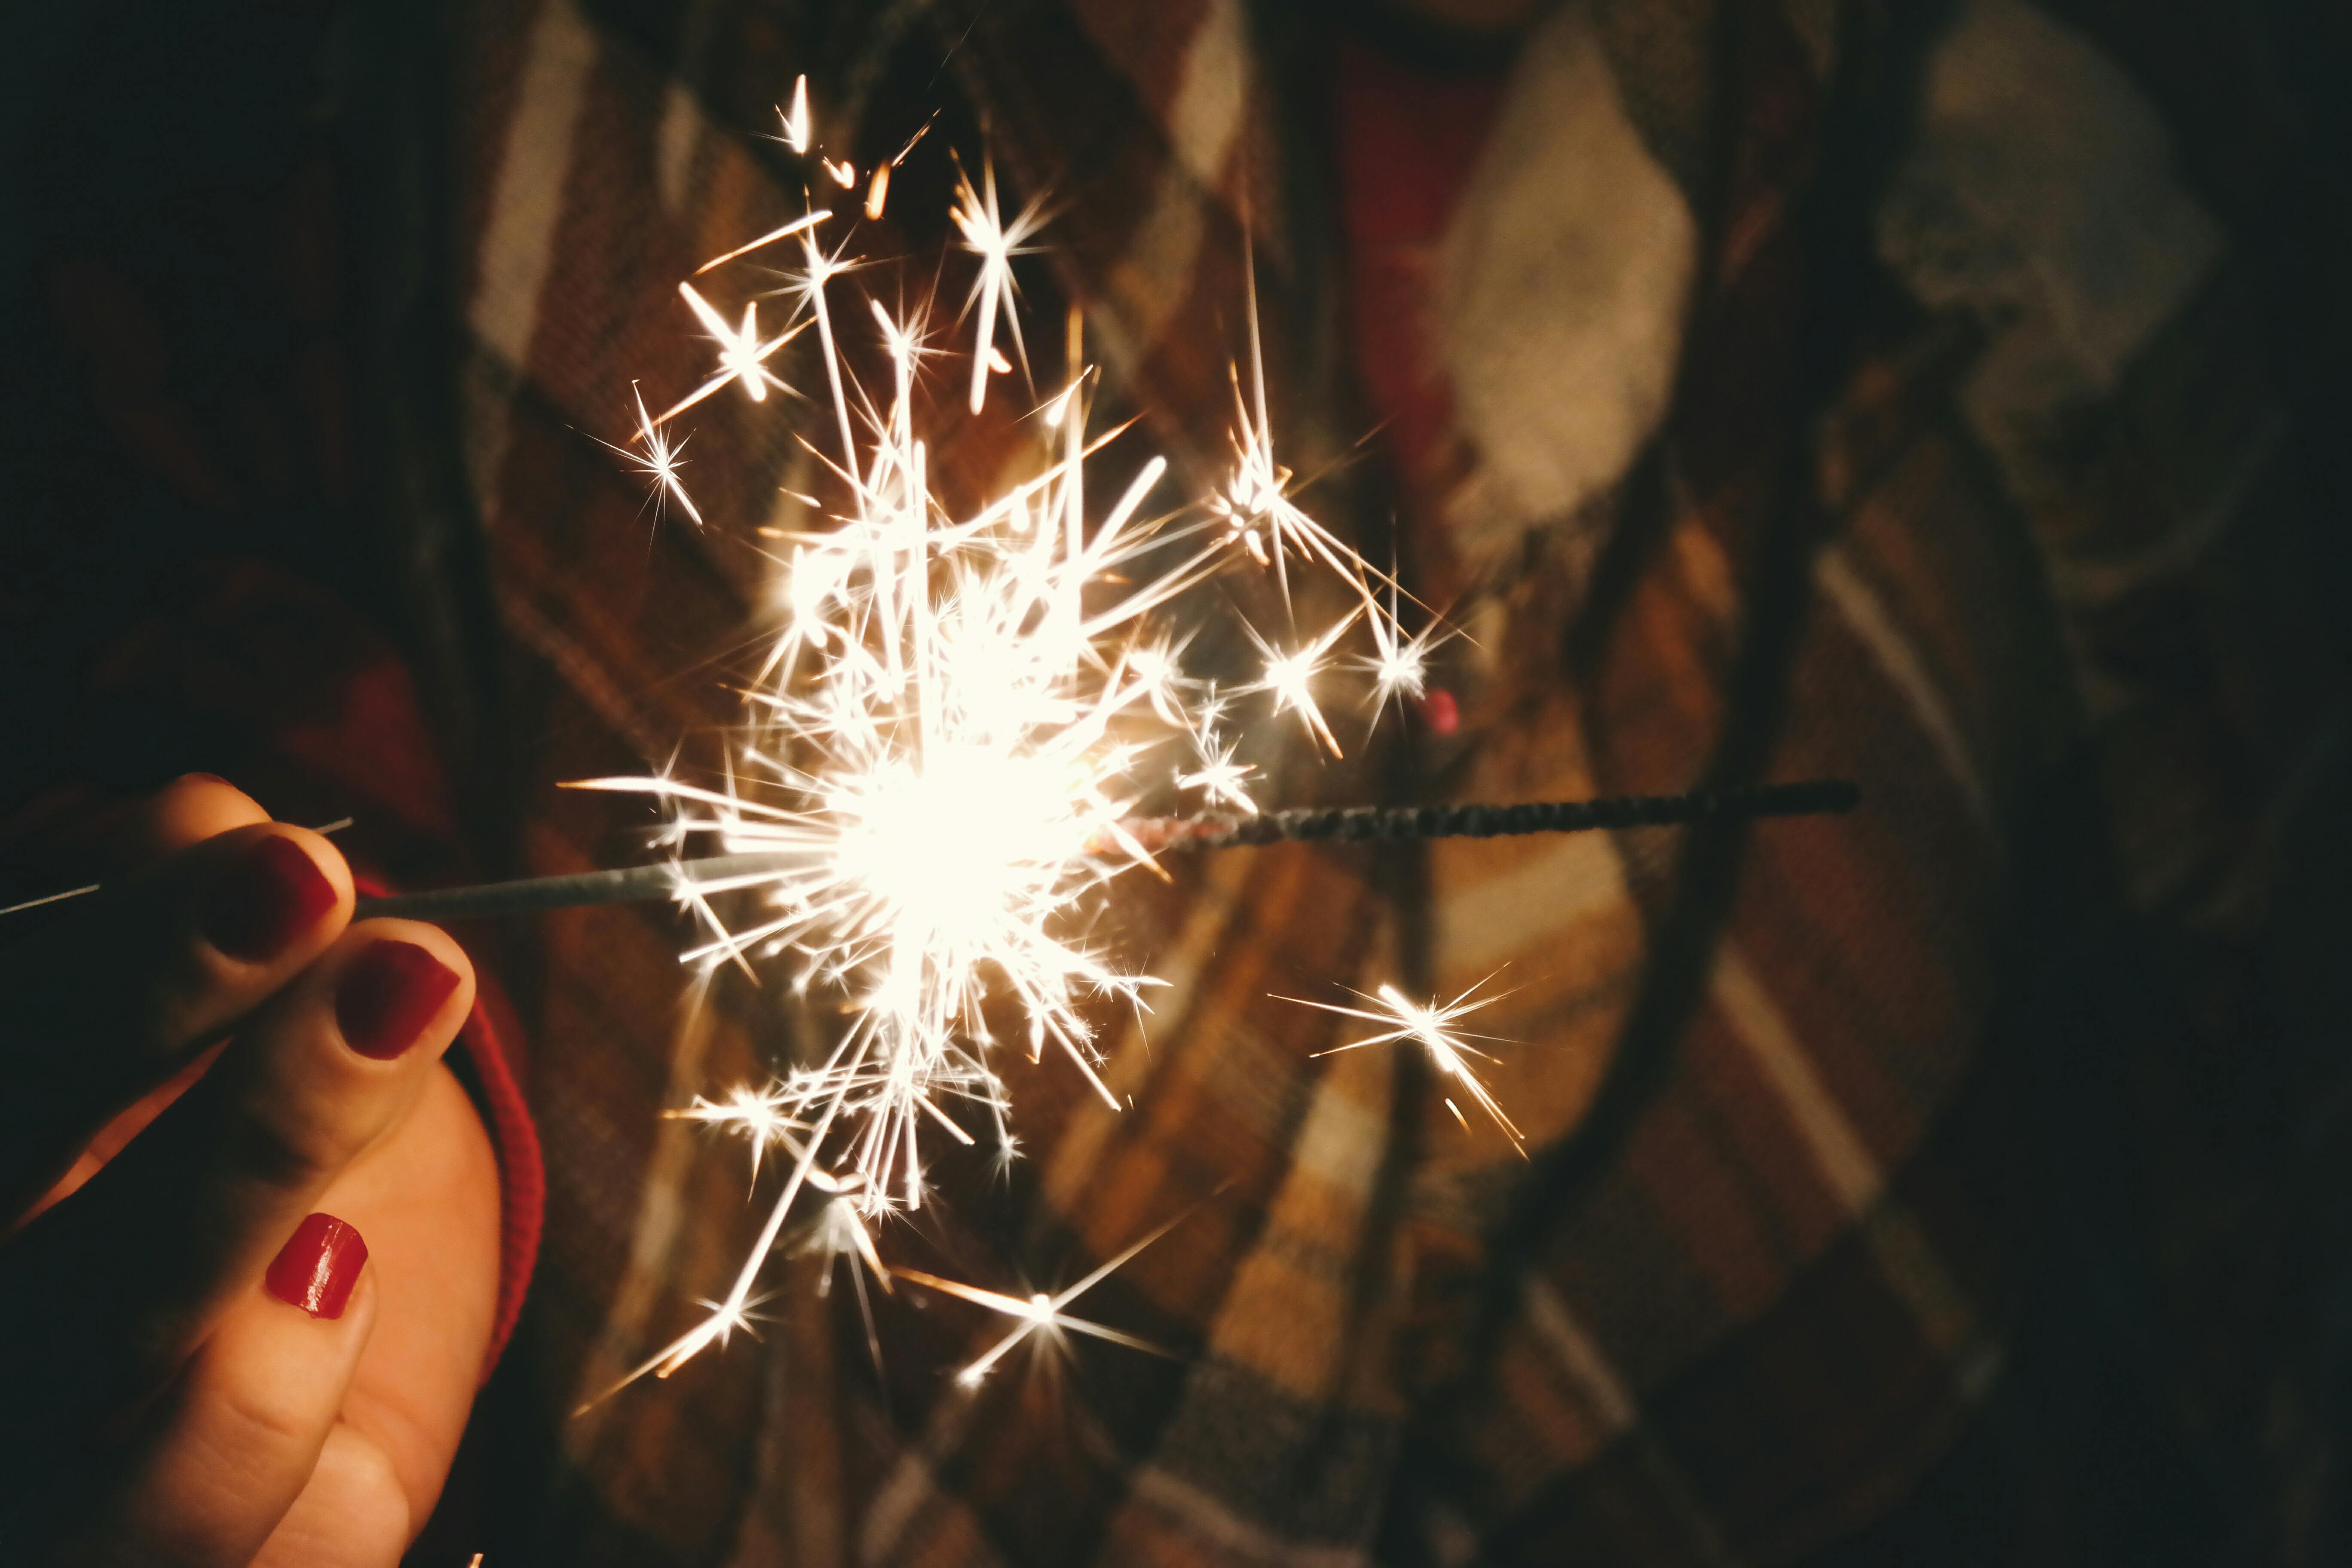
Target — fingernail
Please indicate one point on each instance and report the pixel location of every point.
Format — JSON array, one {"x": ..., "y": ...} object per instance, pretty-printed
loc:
[
  {"x": 317, "y": 1268},
  {"x": 270, "y": 894},
  {"x": 203, "y": 778},
  {"x": 388, "y": 996}
]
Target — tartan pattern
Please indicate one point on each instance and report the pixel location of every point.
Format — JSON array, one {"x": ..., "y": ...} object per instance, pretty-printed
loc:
[
  {"x": 1760, "y": 1312},
  {"x": 1766, "y": 1269}
]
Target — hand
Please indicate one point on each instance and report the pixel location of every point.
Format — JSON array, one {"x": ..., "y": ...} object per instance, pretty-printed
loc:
[{"x": 247, "y": 1324}]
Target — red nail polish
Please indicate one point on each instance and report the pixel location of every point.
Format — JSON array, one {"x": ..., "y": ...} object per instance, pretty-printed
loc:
[
  {"x": 317, "y": 1268},
  {"x": 388, "y": 996},
  {"x": 260, "y": 901}
]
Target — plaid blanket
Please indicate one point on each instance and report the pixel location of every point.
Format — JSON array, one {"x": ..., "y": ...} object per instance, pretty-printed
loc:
[{"x": 1868, "y": 391}]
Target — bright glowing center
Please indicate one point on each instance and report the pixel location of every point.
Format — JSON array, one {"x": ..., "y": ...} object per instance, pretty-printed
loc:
[{"x": 953, "y": 850}]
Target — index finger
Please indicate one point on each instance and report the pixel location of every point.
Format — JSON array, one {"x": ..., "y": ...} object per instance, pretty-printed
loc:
[{"x": 104, "y": 1003}]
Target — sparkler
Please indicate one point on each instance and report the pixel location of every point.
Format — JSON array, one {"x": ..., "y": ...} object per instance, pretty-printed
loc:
[
  {"x": 943, "y": 753},
  {"x": 945, "y": 746},
  {"x": 1015, "y": 667},
  {"x": 688, "y": 879}
]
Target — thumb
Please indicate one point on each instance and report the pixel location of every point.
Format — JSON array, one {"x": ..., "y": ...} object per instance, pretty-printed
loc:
[{"x": 236, "y": 1439}]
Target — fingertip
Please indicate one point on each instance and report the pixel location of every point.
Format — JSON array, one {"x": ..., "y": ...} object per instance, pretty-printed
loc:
[
  {"x": 193, "y": 808},
  {"x": 320, "y": 1266},
  {"x": 407, "y": 984},
  {"x": 244, "y": 1434},
  {"x": 326, "y": 857},
  {"x": 272, "y": 890}
]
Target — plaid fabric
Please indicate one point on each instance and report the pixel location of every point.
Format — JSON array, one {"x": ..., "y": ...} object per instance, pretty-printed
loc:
[
  {"x": 1927, "y": 437},
  {"x": 1764, "y": 1263}
]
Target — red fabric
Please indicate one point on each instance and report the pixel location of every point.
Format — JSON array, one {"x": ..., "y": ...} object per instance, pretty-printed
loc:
[
  {"x": 1407, "y": 141},
  {"x": 523, "y": 1179}
]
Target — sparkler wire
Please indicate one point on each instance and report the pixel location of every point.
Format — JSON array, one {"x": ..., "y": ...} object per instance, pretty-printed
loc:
[{"x": 637, "y": 884}]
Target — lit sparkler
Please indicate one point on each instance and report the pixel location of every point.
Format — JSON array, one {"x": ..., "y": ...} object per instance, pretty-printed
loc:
[
  {"x": 944, "y": 751},
  {"x": 946, "y": 747},
  {"x": 951, "y": 731}
]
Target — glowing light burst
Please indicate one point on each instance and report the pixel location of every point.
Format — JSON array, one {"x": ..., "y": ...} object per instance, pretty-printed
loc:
[
  {"x": 1221, "y": 780},
  {"x": 660, "y": 462},
  {"x": 1398, "y": 665},
  {"x": 987, "y": 236},
  {"x": 1291, "y": 675},
  {"x": 795, "y": 122},
  {"x": 742, "y": 354},
  {"x": 1041, "y": 1317},
  {"x": 953, "y": 724},
  {"x": 760, "y": 1117},
  {"x": 1431, "y": 1027}
]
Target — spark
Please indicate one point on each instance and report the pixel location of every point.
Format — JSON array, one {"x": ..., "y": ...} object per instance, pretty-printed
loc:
[
  {"x": 796, "y": 122},
  {"x": 1398, "y": 665},
  {"x": 804, "y": 221},
  {"x": 996, "y": 243},
  {"x": 1042, "y": 1316},
  {"x": 742, "y": 355},
  {"x": 1431, "y": 1027},
  {"x": 920, "y": 132},
  {"x": 1256, "y": 501},
  {"x": 760, "y": 1116},
  {"x": 659, "y": 462},
  {"x": 1220, "y": 778},
  {"x": 818, "y": 269},
  {"x": 840, "y": 1233},
  {"x": 1290, "y": 677}
]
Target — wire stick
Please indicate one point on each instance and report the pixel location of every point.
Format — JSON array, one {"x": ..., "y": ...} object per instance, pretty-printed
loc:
[
  {"x": 51, "y": 899},
  {"x": 335, "y": 826},
  {"x": 1349, "y": 824}
]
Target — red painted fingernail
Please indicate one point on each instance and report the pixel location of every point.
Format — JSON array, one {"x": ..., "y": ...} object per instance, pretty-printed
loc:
[
  {"x": 388, "y": 996},
  {"x": 271, "y": 893},
  {"x": 317, "y": 1268}
]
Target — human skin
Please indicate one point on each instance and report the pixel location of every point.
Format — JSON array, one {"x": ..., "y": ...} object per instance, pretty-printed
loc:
[{"x": 159, "y": 1405}]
